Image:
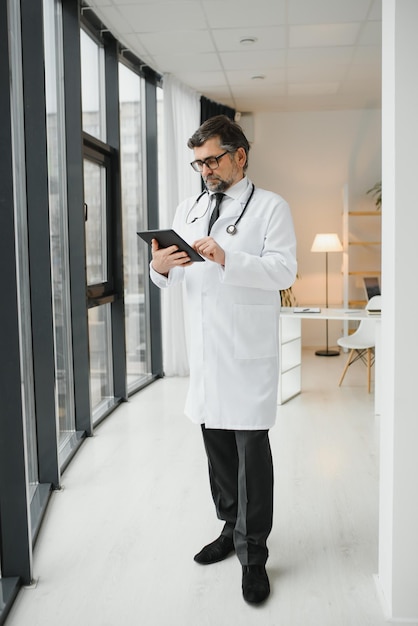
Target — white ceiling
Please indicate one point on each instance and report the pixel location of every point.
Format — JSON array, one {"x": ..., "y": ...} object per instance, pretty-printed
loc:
[{"x": 307, "y": 54}]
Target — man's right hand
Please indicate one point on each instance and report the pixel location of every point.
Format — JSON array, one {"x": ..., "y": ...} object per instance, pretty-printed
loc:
[{"x": 164, "y": 259}]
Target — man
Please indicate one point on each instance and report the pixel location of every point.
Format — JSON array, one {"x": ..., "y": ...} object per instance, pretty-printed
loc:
[{"x": 233, "y": 306}]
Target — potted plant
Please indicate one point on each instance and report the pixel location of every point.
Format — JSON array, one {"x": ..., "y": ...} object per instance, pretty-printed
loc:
[{"x": 376, "y": 193}]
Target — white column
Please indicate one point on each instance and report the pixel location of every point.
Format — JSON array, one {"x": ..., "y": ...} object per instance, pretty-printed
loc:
[{"x": 398, "y": 535}]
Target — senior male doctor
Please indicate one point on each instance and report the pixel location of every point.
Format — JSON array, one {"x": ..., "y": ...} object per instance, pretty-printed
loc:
[{"x": 246, "y": 237}]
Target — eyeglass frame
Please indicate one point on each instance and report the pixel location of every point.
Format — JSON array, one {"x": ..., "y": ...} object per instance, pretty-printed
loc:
[{"x": 203, "y": 162}]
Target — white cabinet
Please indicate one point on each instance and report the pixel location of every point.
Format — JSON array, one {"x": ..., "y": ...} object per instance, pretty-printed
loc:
[{"x": 290, "y": 358}]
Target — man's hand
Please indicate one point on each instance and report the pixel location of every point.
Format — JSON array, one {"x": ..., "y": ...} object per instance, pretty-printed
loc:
[
  {"x": 208, "y": 248},
  {"x": 164, "y": 259}
]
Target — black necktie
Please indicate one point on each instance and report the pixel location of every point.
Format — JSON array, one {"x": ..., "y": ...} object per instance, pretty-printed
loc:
[{"x": 215, "y": 213}]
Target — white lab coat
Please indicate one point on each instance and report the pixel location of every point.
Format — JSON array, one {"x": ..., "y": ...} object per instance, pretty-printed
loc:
[{"x": 233, "y": 311}]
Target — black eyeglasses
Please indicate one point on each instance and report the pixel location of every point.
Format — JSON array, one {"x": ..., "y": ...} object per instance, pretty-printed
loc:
[{"x": 211, "y": 162}]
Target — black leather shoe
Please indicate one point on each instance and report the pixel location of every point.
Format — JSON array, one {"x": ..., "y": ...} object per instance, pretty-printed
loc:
[
  {"x": 216, "y": 551},
  {"x": 255, "y": 583}
]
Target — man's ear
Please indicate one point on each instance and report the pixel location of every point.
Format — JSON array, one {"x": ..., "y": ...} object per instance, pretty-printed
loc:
[{"x": 242, "y": 156}]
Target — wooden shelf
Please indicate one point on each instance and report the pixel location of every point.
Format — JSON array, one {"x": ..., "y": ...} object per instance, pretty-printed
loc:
[
  {"x": 362, "y": 213},
  {"x": 364, "y": 243},
  {"x": 365, "y": 273}
]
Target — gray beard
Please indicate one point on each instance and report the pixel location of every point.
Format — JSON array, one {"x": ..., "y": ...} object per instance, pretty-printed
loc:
[{"x": 219, "y": 186}]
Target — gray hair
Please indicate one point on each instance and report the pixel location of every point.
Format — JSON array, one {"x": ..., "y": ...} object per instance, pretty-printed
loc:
[{"x": 230, "y": 134}]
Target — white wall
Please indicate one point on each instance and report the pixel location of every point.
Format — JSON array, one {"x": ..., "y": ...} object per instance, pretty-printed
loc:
[
  {"x": 307, "y": 158},
  {"x": 398, "y": 563}
]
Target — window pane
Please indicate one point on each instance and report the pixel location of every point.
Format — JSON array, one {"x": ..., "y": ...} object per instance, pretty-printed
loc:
[
  {"x": 134, "y": 219},
  {"x": 22, "y": 260},
  {"x": 96, "y": 228},
  {"x": 92, "y": 87},
  {"x": 58, "y": 221},
  {"x": 100, "y": 343}
]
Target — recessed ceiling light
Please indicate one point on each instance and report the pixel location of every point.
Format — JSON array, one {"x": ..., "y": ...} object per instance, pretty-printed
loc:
[{"x": 248, "y": 41}]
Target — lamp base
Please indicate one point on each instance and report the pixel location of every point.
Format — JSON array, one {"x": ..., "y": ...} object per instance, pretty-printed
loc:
[{"x": 326, "y": 352}]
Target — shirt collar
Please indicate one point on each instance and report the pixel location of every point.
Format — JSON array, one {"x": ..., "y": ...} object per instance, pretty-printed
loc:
[{"x": 236, "y": 191}]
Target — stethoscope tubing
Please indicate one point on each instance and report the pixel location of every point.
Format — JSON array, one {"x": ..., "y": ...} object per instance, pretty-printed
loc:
[{"x": 232, "y": 228}]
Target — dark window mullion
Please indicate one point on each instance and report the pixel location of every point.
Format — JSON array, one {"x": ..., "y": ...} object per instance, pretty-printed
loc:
[
  {"x": 39, "y": 239},
  {"x": 115, "y": 217},
  {"x": 15, "y": 534},
  {"x": 153, "y": 221}
]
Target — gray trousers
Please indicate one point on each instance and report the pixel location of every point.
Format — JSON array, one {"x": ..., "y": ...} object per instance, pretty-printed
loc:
[{"x": 241, "y": 480}]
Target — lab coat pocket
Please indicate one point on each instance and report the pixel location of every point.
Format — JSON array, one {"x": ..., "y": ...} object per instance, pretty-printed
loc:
[{"x": 255, "y": 331}]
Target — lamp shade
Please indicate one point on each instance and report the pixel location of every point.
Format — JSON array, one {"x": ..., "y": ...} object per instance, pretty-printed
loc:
[{"x": 326, "y": 242}]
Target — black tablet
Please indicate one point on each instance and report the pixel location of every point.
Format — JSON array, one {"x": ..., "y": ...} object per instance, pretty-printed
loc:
[{"x": 168, "y": 238}]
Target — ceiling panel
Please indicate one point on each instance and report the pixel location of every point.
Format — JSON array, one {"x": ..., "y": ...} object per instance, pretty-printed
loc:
[
  {"x": 328, "y": 11},
  {"x": 244, "y": 13},
  {"x": 202, "y": 81},
  {"x": 177, "y": 42},
  {"x": 319, "y": 73},
  {"x": 266, "y": 38},
  {"x": 262, "y": 61},
  {"x": 245, "y": 76},
  {"x": 164, "y": 16},
  {"x": 177, "y": 62},
  {"x": 309, "y": 35},
  {"x": 306, "y": 57}
]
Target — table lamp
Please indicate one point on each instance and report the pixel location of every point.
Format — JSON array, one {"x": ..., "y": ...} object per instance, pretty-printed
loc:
[{"x": 326, "y": 242}]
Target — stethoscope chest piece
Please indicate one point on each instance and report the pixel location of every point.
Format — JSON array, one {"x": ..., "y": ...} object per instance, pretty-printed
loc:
[{"x": 231, "y": 229}]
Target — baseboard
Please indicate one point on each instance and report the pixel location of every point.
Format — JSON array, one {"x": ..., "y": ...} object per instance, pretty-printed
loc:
[{"x": 394, "y": 621}]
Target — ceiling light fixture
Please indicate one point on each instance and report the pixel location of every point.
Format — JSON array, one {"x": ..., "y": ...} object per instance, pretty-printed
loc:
[{"x": 248, "y": 41}]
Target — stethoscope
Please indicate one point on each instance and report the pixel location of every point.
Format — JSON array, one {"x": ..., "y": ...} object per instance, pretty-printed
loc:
[{"x": 232, "y": 228}]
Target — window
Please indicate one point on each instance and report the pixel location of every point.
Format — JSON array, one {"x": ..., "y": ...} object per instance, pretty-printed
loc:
[
  {"x": 58, "y": 222},
  {"x": 103, "y": 238},
  {"x": 99, "y": 257},
  {"x": 95, "y": 198},
  {"x": 22, "y": 260},
  {"x": 132, "y": 126},
  {"x": 101, "y": 363},
  {"x": 92, "y": 87}
]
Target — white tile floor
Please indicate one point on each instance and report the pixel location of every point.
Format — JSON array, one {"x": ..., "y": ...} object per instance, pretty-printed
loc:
[{"x": 117, "y": 544}]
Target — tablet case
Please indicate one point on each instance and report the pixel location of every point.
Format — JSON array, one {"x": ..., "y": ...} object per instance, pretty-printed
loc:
[{"x": 168, "y": 238}]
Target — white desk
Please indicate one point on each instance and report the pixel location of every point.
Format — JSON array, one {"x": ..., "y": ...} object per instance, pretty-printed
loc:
[{"x": 290, "y": 339}]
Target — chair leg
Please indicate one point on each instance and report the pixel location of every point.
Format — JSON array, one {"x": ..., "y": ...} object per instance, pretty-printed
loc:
[
  {"x": 346, "y": 367},
  {"x": 369, "y": 368}
]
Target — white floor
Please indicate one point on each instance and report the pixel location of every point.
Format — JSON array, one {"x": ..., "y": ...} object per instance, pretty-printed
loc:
[{"x": 117, "y": 544}]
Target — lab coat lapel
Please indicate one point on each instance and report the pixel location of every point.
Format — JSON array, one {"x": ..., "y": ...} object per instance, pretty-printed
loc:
[{"x": 232, "y": 209}]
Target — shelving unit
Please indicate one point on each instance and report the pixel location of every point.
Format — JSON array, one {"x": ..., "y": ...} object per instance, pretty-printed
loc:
[{"x": 361, "y": 250}]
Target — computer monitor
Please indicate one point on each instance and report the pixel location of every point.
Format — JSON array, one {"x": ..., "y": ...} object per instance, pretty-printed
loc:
[{"x": 372, "y": 287}]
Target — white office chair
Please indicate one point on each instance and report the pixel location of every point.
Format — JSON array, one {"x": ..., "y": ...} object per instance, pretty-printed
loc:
[{"x": 361, "y": 343}]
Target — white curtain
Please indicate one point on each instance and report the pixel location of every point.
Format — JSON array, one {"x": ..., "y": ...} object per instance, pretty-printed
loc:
[{"x": 181, "y": 119}]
